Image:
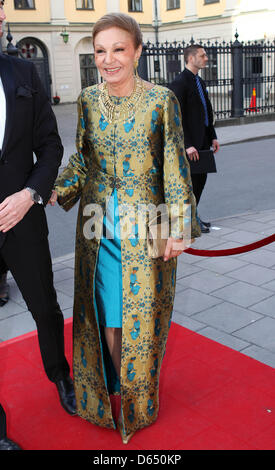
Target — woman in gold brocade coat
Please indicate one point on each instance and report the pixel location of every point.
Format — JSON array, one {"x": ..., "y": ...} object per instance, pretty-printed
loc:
[{"x": 130, "y": 153}]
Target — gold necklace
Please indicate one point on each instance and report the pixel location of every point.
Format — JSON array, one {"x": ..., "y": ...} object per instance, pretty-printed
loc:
[{"x": 124, "y": 111}]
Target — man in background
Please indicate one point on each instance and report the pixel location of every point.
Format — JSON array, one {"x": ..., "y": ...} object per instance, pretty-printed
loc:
[{"x": 197, "y": 115}]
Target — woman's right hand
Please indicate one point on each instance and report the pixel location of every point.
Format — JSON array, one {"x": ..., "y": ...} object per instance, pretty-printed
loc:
[{"x": 53, "y": 198}]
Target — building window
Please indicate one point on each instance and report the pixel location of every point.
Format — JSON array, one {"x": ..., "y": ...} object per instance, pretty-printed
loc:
[
  {"x": 84, "y": 4},
  {"x": 88, "y": 70},
  {"x": 206, "y": 2},
  {"x": 24, "y": 4},
  {"x": 173, "y": 4},
  {"x": 134, "y": 5}
]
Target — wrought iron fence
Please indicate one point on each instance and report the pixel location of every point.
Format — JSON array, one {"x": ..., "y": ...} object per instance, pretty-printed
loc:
[
  {"x": 240, "y": 77},
  {"x": 259, "y": 75}
]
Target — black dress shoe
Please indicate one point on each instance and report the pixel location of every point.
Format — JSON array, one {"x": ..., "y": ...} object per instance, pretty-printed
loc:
[
  {"x": 7, "y": 444},
  {"x": 3, "y": 301},
  {"x": 203, "y": 228},
  {"x": 206, "y": 224},
  {"x": 4, "y": 290},
  {"x": 65, "y": 389}
]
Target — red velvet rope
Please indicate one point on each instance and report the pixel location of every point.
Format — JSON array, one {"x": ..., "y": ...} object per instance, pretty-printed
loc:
[{"x": 232, "y": 251}]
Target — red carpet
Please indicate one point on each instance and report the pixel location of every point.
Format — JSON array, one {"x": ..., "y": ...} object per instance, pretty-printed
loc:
[{"x": 211, "y": 398}]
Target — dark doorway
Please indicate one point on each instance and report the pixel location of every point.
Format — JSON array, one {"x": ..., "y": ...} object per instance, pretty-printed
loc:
[
  {"x": 34, "y": 50},
  {"x": 88, "y": 70}
]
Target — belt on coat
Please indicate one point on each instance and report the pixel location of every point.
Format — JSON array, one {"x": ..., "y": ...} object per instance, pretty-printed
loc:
[{"x": 125, "y": 182}]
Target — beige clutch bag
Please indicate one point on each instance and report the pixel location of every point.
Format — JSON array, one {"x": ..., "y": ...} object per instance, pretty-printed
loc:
[{"x": 157, "y": 237}]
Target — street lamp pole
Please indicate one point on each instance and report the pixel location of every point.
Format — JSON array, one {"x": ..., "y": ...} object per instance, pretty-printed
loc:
[
  {"x": 11, "y": 49},
  {"x": 156, "y": 21}
]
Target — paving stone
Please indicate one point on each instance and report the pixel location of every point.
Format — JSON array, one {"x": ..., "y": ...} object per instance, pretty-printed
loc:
[
  {"x": 186, "y": 322},
  {"x": 15, "y": 294},
  {"x": 66, "y": 286},
  {"x": 64, "y": 258},
  {"x": 266, "y": 307},
  {"x": 69, "y": 263},
  {"x": 261, "y": 333},
  {"x": 16, "y": 325},
  {"x": 221, "y": 265},
  {"x": 242, "y": 236},
  {"x": 260, "y": 217},
  {"x": 263, "y": 217},
  {"x": 231, "y": 222},
  {"x": 63, "y": 274},
  {"x": 227, "y": 317},
  {"x": 253, "y": 274},
  {"x": 205, "y": 242},
  {"x": 179, "y": 288},
  {"x": 186, "y": 258},
  {"x": 242, "y": 294},
  {"x": 65, "y": 301},
  {"x": 193, "y": 301},
  {"x": 11, "y": 309},
  {"x": 261, "y": 257},
  {"x": 223, "y": 338},
  {"x": 218, "y": 231},
  {"x": 268, "y": 230},
  {"x": 261, "y": 354},
  {"x": 251, "y": 226},
  {"x": 270, "y": 285},
  {"x": 58, "y": 266},
  {"x": 186, "y": 269},
  {"x": 67, "y": 312},
  {"x": 271, "y": 246},
  {"x": 205, "y": 281}
]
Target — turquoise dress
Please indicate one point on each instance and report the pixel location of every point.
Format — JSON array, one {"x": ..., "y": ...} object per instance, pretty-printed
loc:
[{"x": 108, "y": 279}]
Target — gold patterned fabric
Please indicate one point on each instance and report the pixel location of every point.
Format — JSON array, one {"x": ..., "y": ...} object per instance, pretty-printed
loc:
[{"x": 144, "y": 159}]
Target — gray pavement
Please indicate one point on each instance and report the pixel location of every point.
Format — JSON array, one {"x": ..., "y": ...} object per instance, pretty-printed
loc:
[
  {"x": 229, "y": 299},
  {"x": 246, "y": 132}
]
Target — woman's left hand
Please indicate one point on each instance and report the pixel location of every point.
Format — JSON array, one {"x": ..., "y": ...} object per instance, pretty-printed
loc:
[
  {"x": 174, "y": 247},
  {"x": 53, "y": 198}
]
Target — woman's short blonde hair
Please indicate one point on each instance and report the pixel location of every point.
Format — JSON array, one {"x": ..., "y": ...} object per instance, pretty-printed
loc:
[{"x": 122, "y": 21}]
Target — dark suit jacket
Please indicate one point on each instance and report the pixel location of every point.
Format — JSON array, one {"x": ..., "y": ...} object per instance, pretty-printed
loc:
[
  {"x": 185, "y": 89},
  {"x": 30, "y": 129},
  {"x": 3, "y": 426}
]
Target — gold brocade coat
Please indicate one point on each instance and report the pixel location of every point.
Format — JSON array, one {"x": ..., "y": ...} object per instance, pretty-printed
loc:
[{"x": 144, "y": 159}]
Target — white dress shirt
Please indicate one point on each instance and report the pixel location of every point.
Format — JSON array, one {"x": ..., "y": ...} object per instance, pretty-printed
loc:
[{"x": 2, "y": 113}]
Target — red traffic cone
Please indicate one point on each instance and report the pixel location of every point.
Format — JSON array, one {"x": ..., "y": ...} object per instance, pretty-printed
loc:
[{"x": 252, "y": 106}]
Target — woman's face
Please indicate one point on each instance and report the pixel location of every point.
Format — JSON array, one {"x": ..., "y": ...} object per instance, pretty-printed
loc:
[
  {"x": 115, "y": 55},
  {"x": 2, "y": 17}
]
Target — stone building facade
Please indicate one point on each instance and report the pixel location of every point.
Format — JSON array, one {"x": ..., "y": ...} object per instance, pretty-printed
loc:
[{"x": 56, "y": 34}]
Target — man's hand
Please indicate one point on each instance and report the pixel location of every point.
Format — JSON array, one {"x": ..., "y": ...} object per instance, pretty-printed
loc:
[
  {"x": 215, "y": 145},
  {"x": 14, "y": 208},
  {"x": 192, "y": 153}
]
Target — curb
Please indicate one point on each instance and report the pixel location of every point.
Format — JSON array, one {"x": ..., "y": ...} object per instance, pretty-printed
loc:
[{"x": 248, "y": 139}]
